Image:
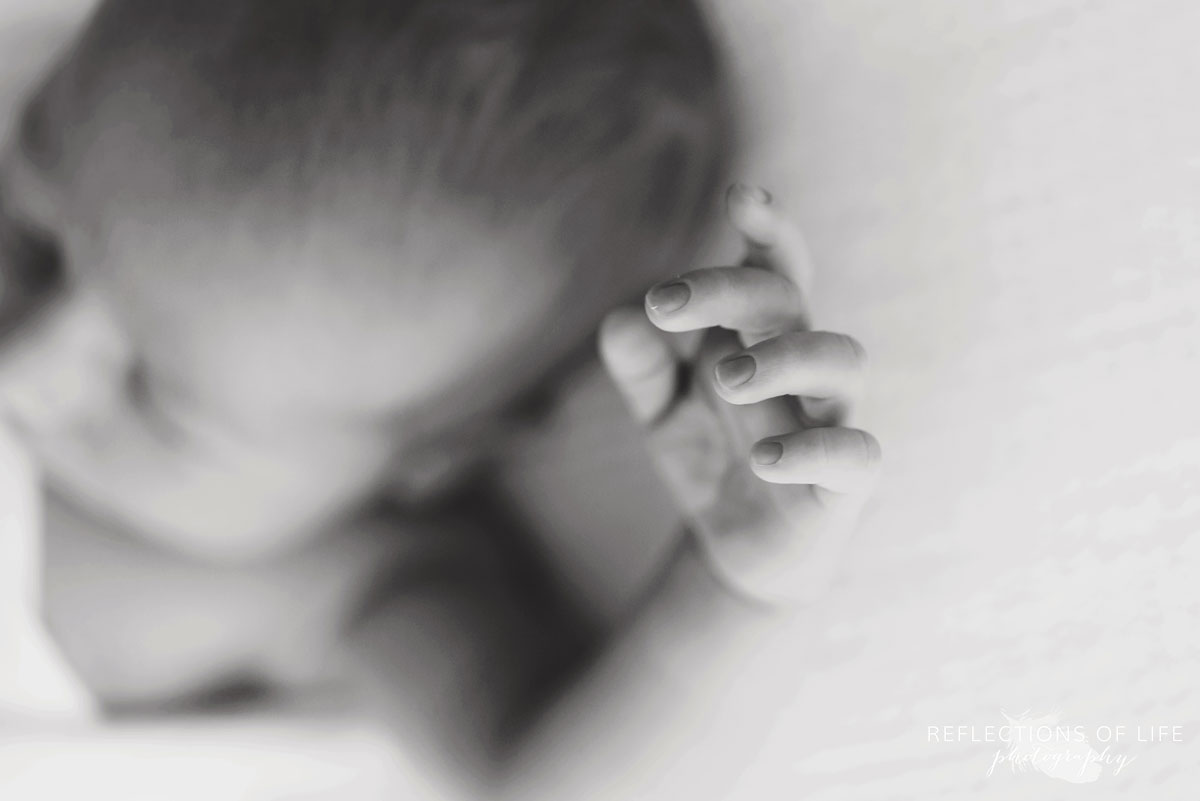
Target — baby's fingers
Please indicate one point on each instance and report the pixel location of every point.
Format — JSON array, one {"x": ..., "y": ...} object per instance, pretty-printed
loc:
[
  {"x": 844, "y": 461},
  {"x": 812, "y": 364},
  {"x": 772, "y": 240},
  {"x": 641, "y": 363},
  {"x": 751, "y": 300},
  {"x": 766, "y": 293}
]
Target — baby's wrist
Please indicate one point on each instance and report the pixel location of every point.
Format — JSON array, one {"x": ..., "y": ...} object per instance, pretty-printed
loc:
[{"x": 698, "y": 631}]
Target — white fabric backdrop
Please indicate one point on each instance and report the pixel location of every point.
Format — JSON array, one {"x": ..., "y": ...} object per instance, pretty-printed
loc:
[{"x": 1005, "y": 202}]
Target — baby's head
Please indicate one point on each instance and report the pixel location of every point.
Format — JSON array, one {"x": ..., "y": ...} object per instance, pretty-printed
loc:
[{"x": 374, "y": 212}]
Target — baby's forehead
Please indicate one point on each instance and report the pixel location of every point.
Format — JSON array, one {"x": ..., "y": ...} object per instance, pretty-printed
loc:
[
  {"x": 259, "y": 304},
  {"x": 280, "y": 279},
  {"x": 332, "y": 308}
]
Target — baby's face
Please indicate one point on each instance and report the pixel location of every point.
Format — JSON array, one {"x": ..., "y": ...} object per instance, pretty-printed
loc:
[{"x": 278, "y": 360}]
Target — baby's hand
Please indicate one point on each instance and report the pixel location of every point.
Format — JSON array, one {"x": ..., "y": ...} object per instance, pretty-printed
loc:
[{"x": 750, "y": 437}]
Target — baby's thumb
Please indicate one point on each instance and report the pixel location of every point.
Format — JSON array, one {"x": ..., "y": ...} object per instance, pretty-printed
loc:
[{"x": 641, "y": 362}]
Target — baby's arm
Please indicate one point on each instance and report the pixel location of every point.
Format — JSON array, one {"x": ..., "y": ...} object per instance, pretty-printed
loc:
[
  {"x": 764, "y": 533},
  {"x": 149, "y": 630},
  {"x": 461, "y": 643},
  {"x": 767, "y": 521}
]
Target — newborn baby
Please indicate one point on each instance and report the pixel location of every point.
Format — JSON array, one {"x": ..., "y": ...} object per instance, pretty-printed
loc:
[
  {"x": 268, "y": 263},
  {"x": 332, "y": 242}
]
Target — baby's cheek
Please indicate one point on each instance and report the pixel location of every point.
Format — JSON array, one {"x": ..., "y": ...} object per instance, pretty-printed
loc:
[
  {"x": 188, "y": 476},
  {"x": 68, "y": 367}
]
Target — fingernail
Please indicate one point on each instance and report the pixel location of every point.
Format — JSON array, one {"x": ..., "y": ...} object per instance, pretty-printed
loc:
[
  {"x": 746, "y": 193},
  {"x": 669, "y": 297},
  {"x": 736, "y": 371},
  {"x": 766, "y": 452}
]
